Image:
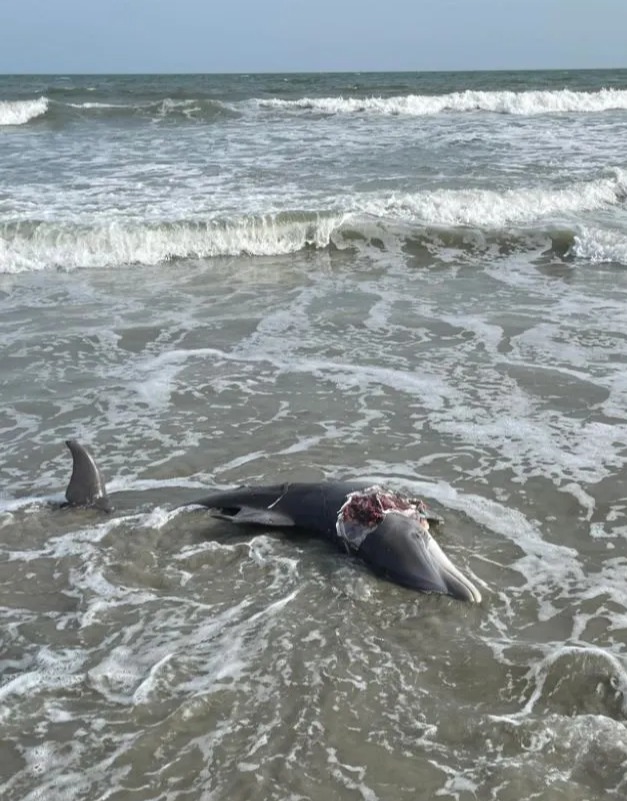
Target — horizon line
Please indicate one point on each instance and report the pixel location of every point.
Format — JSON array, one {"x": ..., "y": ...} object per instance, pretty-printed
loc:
[{"x": 317, "y": 72}]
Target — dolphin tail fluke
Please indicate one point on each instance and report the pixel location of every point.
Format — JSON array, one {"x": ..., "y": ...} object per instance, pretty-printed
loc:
[{"x": 87, "y": 485}]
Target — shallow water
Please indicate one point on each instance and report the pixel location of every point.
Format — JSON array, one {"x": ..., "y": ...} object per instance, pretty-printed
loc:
[{"x": 156, "y": 653}]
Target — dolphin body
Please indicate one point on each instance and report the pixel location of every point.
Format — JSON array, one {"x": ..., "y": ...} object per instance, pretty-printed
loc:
[{"x": 386, "y": 530}]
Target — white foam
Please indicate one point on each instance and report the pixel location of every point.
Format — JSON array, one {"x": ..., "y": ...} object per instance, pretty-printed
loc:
[
  {"x": 19, "y": 112},
  {"x": 119, "y": 674},
  {"x": 186, "y": 107},
  {"x": 53, "y": 670},
  {"x": 8, "y": 505},
  {"x": 107, "y": 240},
  {"x": 352, "y": 777},
  {"x": 489, "y": 208},
  {"x": 540, "y": 671},
  {"x": 600, "y": 245},
  {"x": 95, "y": 105},
  {"x": 520, "y": 103},
  {"x": 419, "y": 384},
  {"x": 103, "y": 245},
  {"x": 586, "y": 501}
]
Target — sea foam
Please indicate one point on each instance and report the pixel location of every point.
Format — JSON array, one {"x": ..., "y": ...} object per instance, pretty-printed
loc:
[
  {"x": 488, "y": 208},
  {"x": 24, "y": 249},
  {"x": 522, "y": 103},
  {"x": 27, "y": 247},
  {"x": 598, "y": 245},
  {"x": 19, "y": 112}
]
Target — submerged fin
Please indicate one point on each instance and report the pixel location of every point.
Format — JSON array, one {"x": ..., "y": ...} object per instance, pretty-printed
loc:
[
  {"x": 87, "y": 485},
  {"x": 254, "y": 516}
]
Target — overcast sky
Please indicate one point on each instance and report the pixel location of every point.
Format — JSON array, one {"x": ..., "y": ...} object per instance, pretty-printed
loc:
[{"x": 61, "y": 36}]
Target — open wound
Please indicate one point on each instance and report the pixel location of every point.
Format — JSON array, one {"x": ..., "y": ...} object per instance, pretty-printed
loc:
[{"x": 365, "y": 509}]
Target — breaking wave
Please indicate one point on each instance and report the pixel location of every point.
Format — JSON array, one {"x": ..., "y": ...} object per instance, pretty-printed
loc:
[
  {"x": 40, "y": 246},
  {"x": 521, "y": 103},
  {"x": 19, "y": 112},
  {"x": 37, "y": 245},
  {"x": 188, "y": 108},
  {"x": 599, "y": 245},
  {"x": 488, "y": 208},
  {"x": 465, "y": 219}
]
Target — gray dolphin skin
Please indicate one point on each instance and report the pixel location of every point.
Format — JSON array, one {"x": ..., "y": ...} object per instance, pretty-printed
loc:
[
  {"x": 387, "y": 531},
  {"x": 87, "y": 485}
]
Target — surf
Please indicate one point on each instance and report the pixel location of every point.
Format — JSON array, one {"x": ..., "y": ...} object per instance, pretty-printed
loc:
[
  {"x": 522, "y": 103},
  {"x": 20, "y": 112}
]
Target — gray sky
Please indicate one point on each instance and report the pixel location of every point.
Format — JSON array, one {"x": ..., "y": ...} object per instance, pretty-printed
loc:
[{"x": 61, "y": 36}]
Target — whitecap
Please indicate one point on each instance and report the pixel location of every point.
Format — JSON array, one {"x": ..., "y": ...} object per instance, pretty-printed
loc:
[{"x": 19, "y": 112}]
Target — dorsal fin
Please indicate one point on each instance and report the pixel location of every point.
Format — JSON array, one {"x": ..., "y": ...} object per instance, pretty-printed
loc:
[{"x": 87, "y": 485}]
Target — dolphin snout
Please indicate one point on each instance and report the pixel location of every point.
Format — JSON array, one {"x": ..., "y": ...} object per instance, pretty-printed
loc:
[{"x": 402, "y": 549}]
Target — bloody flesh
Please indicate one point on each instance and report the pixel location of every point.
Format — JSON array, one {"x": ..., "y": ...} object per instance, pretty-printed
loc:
[{"x": 367, "y": 508}]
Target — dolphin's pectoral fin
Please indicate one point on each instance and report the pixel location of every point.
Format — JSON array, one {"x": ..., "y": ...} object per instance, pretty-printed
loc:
[{"x": 250, "y": 515}]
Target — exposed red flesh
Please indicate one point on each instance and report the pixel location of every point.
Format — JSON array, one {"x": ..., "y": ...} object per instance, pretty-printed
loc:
[{"x": 367, "y": 508}]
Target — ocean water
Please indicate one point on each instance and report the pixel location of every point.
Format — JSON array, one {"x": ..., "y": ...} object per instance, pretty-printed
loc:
[{"x": 214, "y": 280}]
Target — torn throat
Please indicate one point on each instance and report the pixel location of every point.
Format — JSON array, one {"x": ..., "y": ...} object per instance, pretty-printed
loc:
[
  {"x": 369, "y": 506},
  {"x": 364, "y": 510}
]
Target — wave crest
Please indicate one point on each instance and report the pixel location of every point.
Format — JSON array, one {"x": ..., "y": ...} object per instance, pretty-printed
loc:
[
  {"x": 487, "y": 208},
  {"x": 166, "y": 108},
  {"x": 464, "y": 219},
  {"x": 36, "y": 245},
  {"x": 19, "y": 112},
  {"x": 504, "y": 102}
]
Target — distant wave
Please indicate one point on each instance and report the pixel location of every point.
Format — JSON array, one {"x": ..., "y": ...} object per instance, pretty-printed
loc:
[
  {"x": 191, "y": 109},
  {"x": 464, "y": 219},
  {"x": 528, "y": 102},
  {"x": 19, "y": 112},
  {"x": 201, "y": 110}
]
